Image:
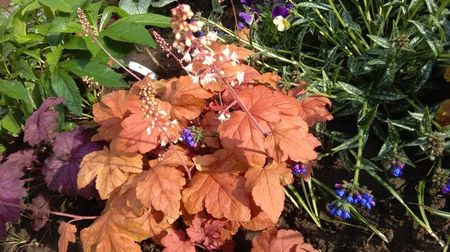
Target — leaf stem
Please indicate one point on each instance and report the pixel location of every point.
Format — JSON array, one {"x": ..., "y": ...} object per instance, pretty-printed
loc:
[
  {"x": 73, "y": 216},
  {"x": 360, "y": 147},
  {"x": 290, "y": 189}
]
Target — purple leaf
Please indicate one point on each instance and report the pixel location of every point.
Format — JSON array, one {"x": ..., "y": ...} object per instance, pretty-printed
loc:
[
  {"x": 21, "y": 159},
  {"x": 61, "y": 168},
  {"x": 11, "y": 191},
  {"x": 42, "y": 123},
  {"x": 41, "y": 210}
]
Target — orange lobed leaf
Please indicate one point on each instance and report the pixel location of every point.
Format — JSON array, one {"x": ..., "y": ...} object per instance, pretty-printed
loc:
[
  {"x": 109, "y": 114},
  {"x": 210, "y": 124},
  {"x": 280, "y": 240},
  {"x": 217, "y": 190},
  {"x": 110, "y": 169},
  {"x": 259, "y": 221},
  {"x": 313, "y": 109},
  {"x": 160, "y": 188},
  {"x": 270, "y": 79},
  {"x": 220, "y": 161},
  {"x": 67, "y": 234},
  {"x": 240, "y": 135},
  {"x": 114, "y": 230},
  {"x": 207, "y": 232},
  {"x": 266, "y": 187},
  {"x": 187, "y": 98},
  {"x": 289, "y": 138},
  {"x": 176, "y": 242},
  {"x": 241, "y": 52},
  {"x": 138, "y": 134}
]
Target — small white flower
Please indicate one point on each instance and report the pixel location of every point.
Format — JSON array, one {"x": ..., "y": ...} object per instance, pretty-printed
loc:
[
  {"x": 212, "y": 36},
  {"x": 223, "y": 117},
  {"x": 240, "y": 77},
  {"x": 282, "y": 23},
  {"x": 188, "y": 68},
  {"x": 234, "y": 59},
  {"x": 208, "y": 78},
  {"x": 187, "y": 57},
  {"x": 226, "y": 52},
  {"x": 209, "y": 60}
]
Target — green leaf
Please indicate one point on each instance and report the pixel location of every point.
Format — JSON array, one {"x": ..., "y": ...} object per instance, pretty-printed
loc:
[
  {"x": 63, "y": 85},
  {"x": 313, "y": 5},
  {"x": 349, "y": 144},
  {"x": 350, "y": 89},
  {"x": 9, "y": 123},
  {"x": 102, "y": 74},
  {"x": 162, "y": 3},
  {"x": 367, "y": 120},
  {"x": 14, "y": 89},
  {"x": 425, "y": 123},
  {"x": 62, "y": 5},
  {"x": 24, "y": 70},
  {"x": 135, "y": 6},
  {"x": 387, "y": 95},
  {"x": 54, "y": 56},
  {"x": 132, "y": 28},
  {"x": 383, "y": 42},
  {"x": 435, "y": 48}
]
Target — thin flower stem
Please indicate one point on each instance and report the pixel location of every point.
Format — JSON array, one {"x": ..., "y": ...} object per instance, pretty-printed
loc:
[
  {"x": 242, "y": 105},
  {"x": 294, "y": 197},
  {"x": 313, "y": 198},
  {"x": 114, "y": 59},
  {"x": 234, "y": 14},
  {"x": 73, "y": 216},
  {"x": 188, "y": 171}
]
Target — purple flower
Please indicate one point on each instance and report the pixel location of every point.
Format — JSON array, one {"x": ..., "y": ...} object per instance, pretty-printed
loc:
[
  {"x": 246, "y": 17},
  {"x": 280, "y": 11},
  {"x": 446, "y": 188},
  {"x": 299, "y": 169},
  {"x": 246, "y": 2},
  {"x": 189, "y": 138}
]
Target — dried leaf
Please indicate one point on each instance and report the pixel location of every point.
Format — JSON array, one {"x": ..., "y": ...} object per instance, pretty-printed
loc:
[
  {"x": 176, "y": 242},
  {"x": 109, "y": 113},
  {"x": 66, "y": 234},
  {"x": 280, "y": 240},
  {"x": 111, "y": 169},
  {"x": 266, "y": 187}
]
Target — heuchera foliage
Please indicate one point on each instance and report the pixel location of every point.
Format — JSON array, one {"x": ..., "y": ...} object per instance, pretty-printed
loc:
[{"x": 233, "y": 178}]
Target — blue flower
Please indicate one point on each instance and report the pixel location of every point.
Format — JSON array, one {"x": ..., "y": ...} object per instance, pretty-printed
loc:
[
  {"x": 338, "y": 211},
  {"x": 299, "y": 169},
  {"x": 446, "y": 188},
  {"x": 189, "y": 138},
  {"x": 397, "y": 168},
  {"x": 341, "y": 192}
]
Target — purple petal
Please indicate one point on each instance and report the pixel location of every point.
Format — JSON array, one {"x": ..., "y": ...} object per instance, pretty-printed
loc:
[
  {"x": 246, "y": 17},
  {"x": 246, "y": 2},
  {"x": 42, "y": 123},
  {"x": 61, "y": 169},
  {"x": 280, "y": 11}
]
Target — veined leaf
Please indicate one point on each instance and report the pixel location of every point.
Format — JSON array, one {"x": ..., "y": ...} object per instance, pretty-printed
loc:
[
  {"x": 14, "y": 89},
  {"x": 64, "y": 86},
  {"x": 383, "y": 42}
]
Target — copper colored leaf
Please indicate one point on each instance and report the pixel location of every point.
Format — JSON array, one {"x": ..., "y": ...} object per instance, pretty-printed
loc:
[
  {"x": 241, "y": 52},
  {"x": 220, "y": 161},
  {"x": 222, "y": 194},
  {"x": 66, "y": 234},
  {"x": 109, "y": 113},
  {"x": 289, "y": 138},
  {"x": 265, "y": 185},
  {"x": 186, "y": 98},
  {"x": 260, "y": 220},
  {"x": 207, "y": 232},
  {"x": 210, "y": 124},
  {"x": 110, "y": 169},
  {"x": 270, "y": 79},
  {"x": 241, "y": 135},
  {"x": 116, "y": 230},
  {"x": 313, "y": 109},
  {"x": 160, "y": 188},
  {"x": 143, "y": 134},
  {"x": 176, "y": 242},
  {"x": 280, "y": 240}
]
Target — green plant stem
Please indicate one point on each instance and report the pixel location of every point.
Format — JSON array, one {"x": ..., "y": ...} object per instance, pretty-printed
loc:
[
  {"x": 420, "y": 200},
  {"x": 306, "y": 194},
  {"x": 313, "y": 198},
  {"x": 296, "y": 197},
  {"x": 360, "y": 148}
]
